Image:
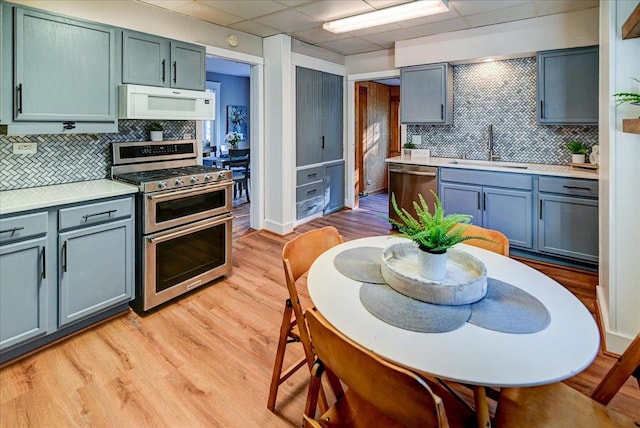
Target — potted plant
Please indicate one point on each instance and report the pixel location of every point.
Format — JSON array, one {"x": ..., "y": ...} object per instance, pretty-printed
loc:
[
  {"x": 434, "y": 233},
  {"x": 629, "y": 125},
  {"x": 578, "y": 149},
  {"x": 233, "y": 138},
  {"x": 407, "y": 148},
  {"x": 155, "y": 131}
]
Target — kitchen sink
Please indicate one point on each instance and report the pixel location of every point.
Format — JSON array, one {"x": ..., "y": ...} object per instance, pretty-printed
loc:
[{"x": 489, "y": 163}]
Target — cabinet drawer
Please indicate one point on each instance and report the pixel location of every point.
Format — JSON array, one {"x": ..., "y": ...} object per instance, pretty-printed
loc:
[
  {"x": 309, "y": 175},
  {"x": 487, "y": 178},
  {"x": 308, "y": 191},
  {"x": 569, "y": 186},
  {"x": 22, "y": 227},
  {"x": 309, "y": 207},
  {"x": 95, "y": 213}
]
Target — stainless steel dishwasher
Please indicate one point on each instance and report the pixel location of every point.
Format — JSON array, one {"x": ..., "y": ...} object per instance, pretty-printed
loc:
[{"x": 407, "y": 181}]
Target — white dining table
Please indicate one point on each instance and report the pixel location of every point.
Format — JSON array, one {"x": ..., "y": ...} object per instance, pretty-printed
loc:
[{"x": 469, "y": 354}]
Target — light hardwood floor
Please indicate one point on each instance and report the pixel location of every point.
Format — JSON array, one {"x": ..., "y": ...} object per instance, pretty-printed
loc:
[{"x": 205, "y": 360}]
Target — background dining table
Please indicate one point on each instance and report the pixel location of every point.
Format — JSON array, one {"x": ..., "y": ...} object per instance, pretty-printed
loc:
[{"x": 469, "y": 354}]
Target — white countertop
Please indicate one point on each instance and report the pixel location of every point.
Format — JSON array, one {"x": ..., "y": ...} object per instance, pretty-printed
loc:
[
  {"x": 13, "y": 201},
  {"x": 532, "y": 168}
]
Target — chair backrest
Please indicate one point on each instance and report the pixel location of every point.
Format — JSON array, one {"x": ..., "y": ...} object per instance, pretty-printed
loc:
[
  {"x": 239, "y": 158},
  {"x": 500, "y": 242},
  {"x": 299, "y": 253},
  {"x": 627, "y": 365},
  {"x": 393, "y": 390}
]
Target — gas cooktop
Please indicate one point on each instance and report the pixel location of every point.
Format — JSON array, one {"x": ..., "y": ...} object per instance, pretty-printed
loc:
[{"x": 172, "y": 178}]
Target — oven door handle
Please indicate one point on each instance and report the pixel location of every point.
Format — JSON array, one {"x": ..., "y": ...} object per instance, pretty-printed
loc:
[
  {"x": 185, "y": 231},
  {"x": 196, "y": 191}
]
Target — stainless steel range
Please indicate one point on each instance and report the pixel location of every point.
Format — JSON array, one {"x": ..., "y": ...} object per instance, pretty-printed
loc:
[{"x": 183, "y": 218}]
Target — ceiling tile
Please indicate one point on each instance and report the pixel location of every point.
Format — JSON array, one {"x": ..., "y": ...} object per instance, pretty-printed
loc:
[
  {"x": 293, "y": 3},
  {"x": 381, "y": 4},
  {"x": 319, "y": 35},
  {"x": 288, "y": 21},
  {"x": 438, "y": 27},
  {"x": 351, "y": 46},
  {"x": 560, "y": 6},
  {"x": 471, "y": 7},
  {"x": 445, "y": 16},
  {"x": 255, "y": 28},
  {"x": 167, "y": 4},
  {"x": 209, "y": 14},
  {"x": 333, "y": 9},
  {"x": 246, "y": 9},
  {"x": 388, "y": 38},
  {"x": 515, "y": 13},
  {"x": 374, "y": 30}
]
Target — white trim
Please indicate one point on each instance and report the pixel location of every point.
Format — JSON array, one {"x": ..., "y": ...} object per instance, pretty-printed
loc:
[
  {"x": 278, "y": 228},
  {"x": 256, "y": 91},
  {"x": 614, "y": 342},
  {"x": 317, "y": 64},
  {"x": 233, "y": 55},
  {"x": 387, "y": 74}
]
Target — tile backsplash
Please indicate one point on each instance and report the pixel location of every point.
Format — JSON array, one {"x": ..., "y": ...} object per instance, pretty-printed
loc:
[
  {"x": 501, "y": 93},
  {"x": 73, "y": 157}
]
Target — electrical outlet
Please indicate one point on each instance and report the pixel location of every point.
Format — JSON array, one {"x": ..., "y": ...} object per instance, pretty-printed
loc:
[
  {"x": 25, "y": 148},
  {"x": 416, "y": 139},
  {"x": 368, "y": 182},
  {"x": 187, "y": 136}
]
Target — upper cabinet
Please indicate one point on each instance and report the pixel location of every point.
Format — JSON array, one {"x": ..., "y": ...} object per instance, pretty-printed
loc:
[
  {"x": 426, "y": 94},
  {"x": 319, "y": 118},
  {"x": 156, "y": 61},
  {"x": 567, "y": 92},
  {"x": 64, "y": 69}
]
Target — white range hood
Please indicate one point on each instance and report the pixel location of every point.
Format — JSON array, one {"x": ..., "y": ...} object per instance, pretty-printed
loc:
[{"x": 151, "y": 102}]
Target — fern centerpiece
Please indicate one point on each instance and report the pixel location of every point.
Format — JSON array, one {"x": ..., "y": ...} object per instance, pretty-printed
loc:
[{"x": 434, "y": 233}]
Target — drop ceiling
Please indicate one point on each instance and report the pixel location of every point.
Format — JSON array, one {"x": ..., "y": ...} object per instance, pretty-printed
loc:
[{"x": 303, "y": 19}]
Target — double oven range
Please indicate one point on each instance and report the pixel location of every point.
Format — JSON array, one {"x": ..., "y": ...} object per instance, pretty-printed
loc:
[{"x": 183, "y": 218}]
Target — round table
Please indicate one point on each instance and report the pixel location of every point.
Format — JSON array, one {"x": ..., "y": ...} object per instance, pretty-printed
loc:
[{"x": 469, "y": 354}]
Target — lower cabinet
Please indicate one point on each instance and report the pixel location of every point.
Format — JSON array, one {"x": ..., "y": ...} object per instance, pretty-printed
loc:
[
  {"x": 334, "y": 183},
  {"x": 46, "y": 294},
  {"x": 568, "y": 218},
  {"x": 506, "y": 209},
  {"x": 320, "y": 189}
]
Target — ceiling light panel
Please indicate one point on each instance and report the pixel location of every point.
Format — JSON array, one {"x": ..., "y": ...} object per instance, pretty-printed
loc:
[{"x": 402, "y": 12}]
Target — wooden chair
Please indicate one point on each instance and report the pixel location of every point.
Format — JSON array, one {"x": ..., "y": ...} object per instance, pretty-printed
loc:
[
  {"x": 500, "y": 242},
  {"x": 559, "y": 405},
  {"x": 239, "y": 165},
  {"x": 379, "y": 394},
  {"x": 297, "y": 257}
]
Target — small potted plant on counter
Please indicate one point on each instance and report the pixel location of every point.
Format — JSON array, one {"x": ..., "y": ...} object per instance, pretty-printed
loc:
[
  {"x": 155, "y": 131},
  {"x": 434, "y": 233},
  {"x": 407, "y": 148},
  {"x": 578, "y": 150}
]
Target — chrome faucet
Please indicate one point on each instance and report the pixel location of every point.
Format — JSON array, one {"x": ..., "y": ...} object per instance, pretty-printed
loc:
[{"x": 492, "y": 156}]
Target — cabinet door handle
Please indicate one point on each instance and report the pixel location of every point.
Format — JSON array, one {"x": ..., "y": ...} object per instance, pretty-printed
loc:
[
  {"x": 19, "y": 95},
  {"x": 68, "y": 125},
  {"x": 175, "y": 72},
  {"x": 541, "y": 109},
  {"x": 312, "y": 175},
  {"x": 163, "y": 72},
  {"x": 44, "y": 263},
  {"x": 484, "y": 201},
  {"x": 478, "y": 194},
  {"x": 323, "y": 142},
  {"x": 64, "y": 256},
  {"x": 311, "y": 191},
  {"x": 108, "y": 213},
  {"x": 540, "y": 210},
  {"x": 12, "y": 230},
  {"x": 442, "y": 111},
  {"x": 576, "y": 188}
]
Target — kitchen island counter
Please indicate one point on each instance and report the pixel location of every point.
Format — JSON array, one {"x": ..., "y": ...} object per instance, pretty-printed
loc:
[
  {"x": 13, "y": 201},
  {"x": 517, "y": 168}
]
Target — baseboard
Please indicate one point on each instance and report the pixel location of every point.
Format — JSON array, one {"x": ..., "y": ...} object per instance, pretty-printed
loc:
[
  {"x": 278, "y": 228},
  {"x": 614, "y": 343}
]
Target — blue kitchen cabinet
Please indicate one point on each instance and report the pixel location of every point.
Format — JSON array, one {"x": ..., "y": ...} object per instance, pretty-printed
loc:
[
  {"x": 568, "y": 218},
  {"x": 499, "y": 201},
  {"x": 95, "y": 248},
  {"x": 426, "y": 94},
  {"x": 157, "y": 61},
  {"x": 567, "y": 87},
  {"x": 64, "y": 69},
  {"x": 23, "y": 279},
  {"x": 334, "y": 186}
]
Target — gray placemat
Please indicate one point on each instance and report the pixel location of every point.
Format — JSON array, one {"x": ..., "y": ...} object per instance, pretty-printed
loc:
[
  {"x": 360, "y": 264},
  {"x": 401, "y": 311},
  {"x": 509, "y": 309}
]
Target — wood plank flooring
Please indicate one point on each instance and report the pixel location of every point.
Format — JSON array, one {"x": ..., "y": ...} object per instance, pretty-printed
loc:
[{"x": 205, "y": 360}]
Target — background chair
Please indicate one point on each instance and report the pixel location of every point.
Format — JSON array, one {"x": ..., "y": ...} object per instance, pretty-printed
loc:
[
  {"x": 500, "y": 242},
  {"x": 297, "y": 257},
  {"x": 379, "y": 393},
  {"x": 239, "y": 165},
  {"x": 559, "y": 405}
]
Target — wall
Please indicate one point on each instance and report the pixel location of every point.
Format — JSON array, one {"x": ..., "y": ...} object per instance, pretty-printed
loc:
[
  {"x": 377, "y": 134},
  {"x": 234, "y": 91},
  {"x": 501, "y": 93},
  {"x": 74, "y": 157},
  {"x": 619, "y": 287}
]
